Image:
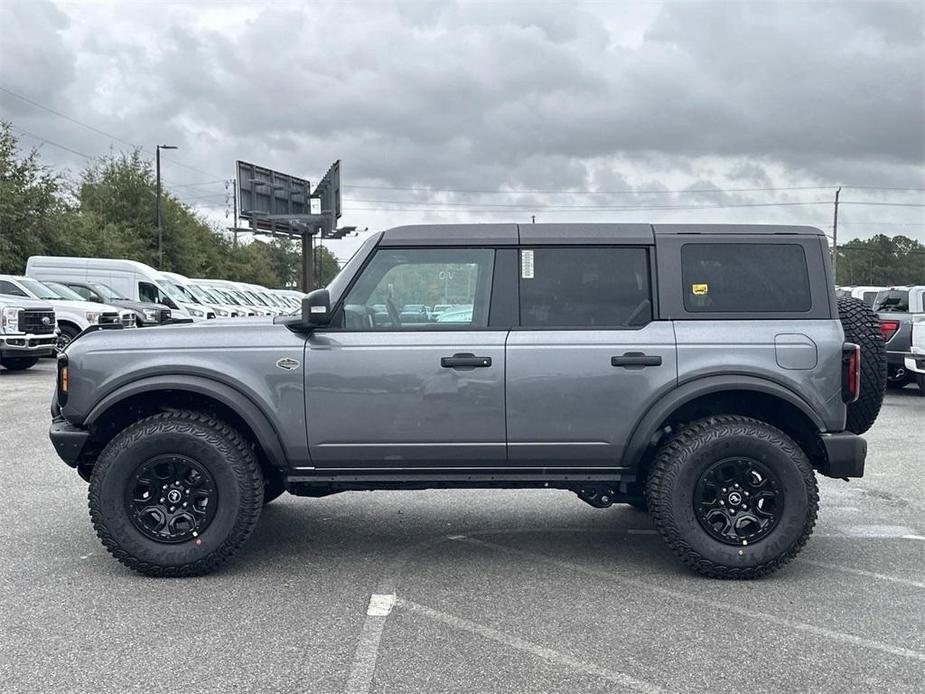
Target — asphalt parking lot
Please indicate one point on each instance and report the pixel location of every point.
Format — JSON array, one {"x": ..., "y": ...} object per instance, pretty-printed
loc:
[{"x": 495, "y": 591}]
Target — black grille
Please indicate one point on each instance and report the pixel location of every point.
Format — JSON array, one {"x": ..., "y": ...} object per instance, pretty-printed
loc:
[
  {"x": 37, "y": 322},
  {"x": 108, "y": 318},
  {"x": 163, "y": 315},
  {"x": 128, "y": 320}
]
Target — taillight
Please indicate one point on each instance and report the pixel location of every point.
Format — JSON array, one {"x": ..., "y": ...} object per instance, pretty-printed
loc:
[
  {"x": 888, "y": 328},
  {"x": 851, "y": 372}
]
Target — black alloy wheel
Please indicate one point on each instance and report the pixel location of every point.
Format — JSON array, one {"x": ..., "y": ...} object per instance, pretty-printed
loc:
[
  {"x": 738, "y": 500},
  {"x": 171, "y": 498}
]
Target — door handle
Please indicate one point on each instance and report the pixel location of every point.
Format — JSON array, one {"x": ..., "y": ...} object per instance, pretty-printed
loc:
[
  {"x": 636, "y": 360},
  {"x": 465, "y": 359}
]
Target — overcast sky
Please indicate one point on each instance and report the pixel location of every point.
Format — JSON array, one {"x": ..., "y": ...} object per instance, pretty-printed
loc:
[{"x": 426, "y": 101}]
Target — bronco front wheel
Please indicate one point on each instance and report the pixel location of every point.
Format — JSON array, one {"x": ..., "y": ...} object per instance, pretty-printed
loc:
[
  {"x": 734, "y": 497},
  {"x": 175, "y": 494}
]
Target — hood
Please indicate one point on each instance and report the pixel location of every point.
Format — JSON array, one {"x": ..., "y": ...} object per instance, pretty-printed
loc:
[
  {"x": 85, "y": 306},
  {"x": 23, "y": 302},
  {"x": 217, "y": 333}
]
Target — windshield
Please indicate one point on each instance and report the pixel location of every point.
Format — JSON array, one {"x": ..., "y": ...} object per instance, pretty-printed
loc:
[
  {"x": 39, "y": 290},
  {"x": 337, "y": 285},
  {"x": 892, "y": 300},
  {"x": 227, "y": 296},
  {"x": 171, "y": 290},
  {"x": 256, "y": 299},
  {"x": 107, "y": 292},
  {"x": 64, "y": 291},
  {"x": 209, "y": 293},
  {"x": 185, "y": 294},
  {"x": 198, "y": 294}
]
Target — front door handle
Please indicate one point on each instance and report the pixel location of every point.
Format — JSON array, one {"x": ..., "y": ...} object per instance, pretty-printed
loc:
[
  {"x": 636, "y": 360},
  {"x": 465, "y": 359}
]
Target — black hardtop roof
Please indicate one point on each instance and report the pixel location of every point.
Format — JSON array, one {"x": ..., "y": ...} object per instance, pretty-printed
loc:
[{"x": 579, "y": 233}]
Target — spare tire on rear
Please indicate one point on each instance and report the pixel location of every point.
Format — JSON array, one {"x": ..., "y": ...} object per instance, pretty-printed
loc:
[{"x": 862, "y": 327}]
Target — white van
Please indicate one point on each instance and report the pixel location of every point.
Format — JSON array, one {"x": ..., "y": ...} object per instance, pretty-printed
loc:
[
  {"x": 136, "y": 281},
  {"x": 238, "y": 291},
  {"x": 193, "y": 295}
]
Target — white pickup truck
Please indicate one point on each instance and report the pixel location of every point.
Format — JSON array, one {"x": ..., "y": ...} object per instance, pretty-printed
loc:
[
  {"x": 915, "y": 360},
  {"x": 27, "y": 332}
]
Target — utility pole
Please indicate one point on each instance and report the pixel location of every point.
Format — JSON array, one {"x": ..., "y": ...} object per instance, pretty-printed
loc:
[
  {"x": 234, "y": 220},
  {"x": 835, "y": 239},
  {"x": 157, "y": 205}
]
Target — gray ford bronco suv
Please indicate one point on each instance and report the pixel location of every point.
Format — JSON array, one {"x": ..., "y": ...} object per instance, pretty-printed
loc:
[{"x": 705, "y": 373}]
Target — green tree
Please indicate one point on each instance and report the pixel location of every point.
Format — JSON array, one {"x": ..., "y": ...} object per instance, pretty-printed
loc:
[
  {"x": 33, "y": 204},
  {"x": 881, "y": 261}
]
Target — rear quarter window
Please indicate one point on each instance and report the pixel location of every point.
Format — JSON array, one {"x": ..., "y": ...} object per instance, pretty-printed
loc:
[{"x": 745, "y": 278}]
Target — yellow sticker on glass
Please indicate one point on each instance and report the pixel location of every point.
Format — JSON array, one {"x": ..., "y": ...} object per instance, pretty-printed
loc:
[{"x": 700, "y": 289}]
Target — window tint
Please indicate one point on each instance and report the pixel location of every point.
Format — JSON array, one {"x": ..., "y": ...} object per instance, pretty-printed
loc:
[
  {"x": 584, "y": 287},
  {"x": 400, "y": 287},
  {"x": 745, "y": 277},
  {"x": 82, "y": 291},
  {"x": 892, "y": 300},
  {"x": 11, "y": 289}
]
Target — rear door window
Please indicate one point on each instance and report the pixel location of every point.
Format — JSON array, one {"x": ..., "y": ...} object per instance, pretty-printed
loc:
[
  {"x": 745, "y": 278},
  {"x": 584, "y": 287}
]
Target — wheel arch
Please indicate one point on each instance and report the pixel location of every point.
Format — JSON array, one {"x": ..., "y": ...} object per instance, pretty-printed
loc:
[
  {"x": 158, "y": 393},
  {"x": 726, "y": 394}
]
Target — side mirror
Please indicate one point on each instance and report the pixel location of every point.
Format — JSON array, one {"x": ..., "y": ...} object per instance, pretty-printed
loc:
[{"x": 316, "y": 309}]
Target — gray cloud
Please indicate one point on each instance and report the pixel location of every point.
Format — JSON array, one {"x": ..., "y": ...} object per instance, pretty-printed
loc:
[{"x": 495, "y": 95}]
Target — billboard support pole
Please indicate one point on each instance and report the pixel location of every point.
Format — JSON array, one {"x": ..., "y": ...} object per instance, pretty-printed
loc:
[{"x": 308, "y": 262}]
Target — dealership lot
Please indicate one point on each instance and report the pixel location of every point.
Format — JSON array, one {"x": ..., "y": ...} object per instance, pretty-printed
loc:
[{"x": 494, "y": 590}]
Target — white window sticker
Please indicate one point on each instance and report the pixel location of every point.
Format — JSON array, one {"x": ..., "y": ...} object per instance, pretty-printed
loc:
[{"x": 526, "y": 265}]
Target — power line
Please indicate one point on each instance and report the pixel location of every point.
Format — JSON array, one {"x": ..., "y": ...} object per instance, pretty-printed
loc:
[
  {"x": 586, "y": 192},
  {"x": 95, "y": 129},
  {"x": 424, "y": 205},
  {"x": 620, "y": 192},
  {"x": 54, "y": 144}
]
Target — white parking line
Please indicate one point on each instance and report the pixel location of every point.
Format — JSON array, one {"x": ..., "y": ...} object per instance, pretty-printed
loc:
[
  {"x": 542, "y": 652},
  {"x": 714, "y": 604},
  {"x": 862, "y": 572},
  {"x": 367, "y": 650}
]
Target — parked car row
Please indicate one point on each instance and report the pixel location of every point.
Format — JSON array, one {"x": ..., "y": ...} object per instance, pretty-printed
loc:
[
  {"x": 73, "y": 294},
  {"x": 899, "y": 309}
]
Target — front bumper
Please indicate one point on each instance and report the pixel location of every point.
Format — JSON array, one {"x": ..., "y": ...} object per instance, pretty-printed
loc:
[
  {"x": 68, "y": 440},
  {"x": 27, "y": 345},
  {"x": 845, "y": 454}
]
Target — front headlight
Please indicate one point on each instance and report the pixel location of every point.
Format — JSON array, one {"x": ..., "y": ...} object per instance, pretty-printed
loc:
[
  {"x": 92, "y": 317},
  {"x": 222, "y": 312},
  {"x": 196, "y": 312},
  {"x": 9, "y": 319},
  {"x": 150, "y": 314}
]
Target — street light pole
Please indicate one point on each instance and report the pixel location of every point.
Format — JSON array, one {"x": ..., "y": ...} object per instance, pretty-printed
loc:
[{"x": 157, "y": 206}]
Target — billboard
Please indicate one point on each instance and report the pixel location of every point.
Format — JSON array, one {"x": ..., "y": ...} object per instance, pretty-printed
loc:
[
  {"x": 266, "y": 197},
  {"x": 328, "y": 192}
]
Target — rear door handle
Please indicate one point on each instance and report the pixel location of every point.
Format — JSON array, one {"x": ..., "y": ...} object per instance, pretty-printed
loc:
[
  {"x": 636, "y": 360},
  {"x": 465, "y": 359}
]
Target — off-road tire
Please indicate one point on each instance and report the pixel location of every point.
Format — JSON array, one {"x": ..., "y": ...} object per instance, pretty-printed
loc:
[
  {"x": 66, "y": 336},
  {"x": 19, "y": 363},
  {"x": 215, "y": 446},
  {"x": 862, "y": 327},
  {"x": 672, "y": 480}
]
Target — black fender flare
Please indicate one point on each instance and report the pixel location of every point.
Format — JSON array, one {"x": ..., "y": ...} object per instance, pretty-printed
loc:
[
  {"x": 247, "y": 409},
  {"x": 648, "y": 425}
]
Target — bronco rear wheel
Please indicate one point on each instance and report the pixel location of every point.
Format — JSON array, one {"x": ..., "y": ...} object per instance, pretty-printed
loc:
[
  {"x": 175, "y": 494},
  {"x": 862, "y": 327},
  {"x": 734, "y": 497}
]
